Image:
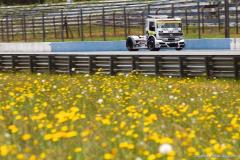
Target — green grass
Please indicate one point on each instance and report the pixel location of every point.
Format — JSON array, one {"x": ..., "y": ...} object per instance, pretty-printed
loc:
[
  {"x": 97, "y": 34},
  {"x": 122, "y": 117}
]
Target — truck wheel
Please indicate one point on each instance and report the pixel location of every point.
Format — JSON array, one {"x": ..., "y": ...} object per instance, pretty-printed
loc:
[
  {"x": 129, "y": 44},
  {"x": 151, "y": 44},
  {"x": 178, "y": 49}
]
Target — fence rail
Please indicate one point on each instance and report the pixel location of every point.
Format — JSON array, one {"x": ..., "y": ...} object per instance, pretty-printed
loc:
[{"x": 159, "y": 65}]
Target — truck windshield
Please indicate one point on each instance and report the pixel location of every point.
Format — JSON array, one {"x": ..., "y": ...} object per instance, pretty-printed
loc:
[{"x": 169, "y": 25}]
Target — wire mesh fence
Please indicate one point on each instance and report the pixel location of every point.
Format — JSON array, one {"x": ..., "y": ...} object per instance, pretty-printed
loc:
[{"x": 200, "y": 20}]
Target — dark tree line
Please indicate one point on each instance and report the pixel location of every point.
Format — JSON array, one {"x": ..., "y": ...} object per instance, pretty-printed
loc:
[{"x": 14, "y": 2}]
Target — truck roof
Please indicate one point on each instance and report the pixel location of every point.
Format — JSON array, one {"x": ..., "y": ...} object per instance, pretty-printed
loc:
[{"x": 161, "y": 17}]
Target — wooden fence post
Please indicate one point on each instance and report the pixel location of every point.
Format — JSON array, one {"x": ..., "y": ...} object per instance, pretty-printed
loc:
[
  {"x": 125, "y": 21},
  {"x": 90, "y": 25},
  {"x": 82, "y": 25},
  {"x": 7, "y": 27},
  {"x": 186, "y": 20},
  {"x": 78, "y": 25},
  {"x": 199, "y": 19},
  {"x": 173, "y": 11},
  {"x": 143, "y": 23},
  {"x": 24, "y": 28},
  {"x": 114, "y": 23},
  {"x": 12, "y": 30},
  {"x": 237, "y": 21},
  {"x": 33, "y": 28},
  {"x": 103, "y": 24},
  {"x": 62, "y": 26},
  {"x": 43, "y": 28},
  {"x": 54, "y": 28},
  {"x": 2, "y": 31}
]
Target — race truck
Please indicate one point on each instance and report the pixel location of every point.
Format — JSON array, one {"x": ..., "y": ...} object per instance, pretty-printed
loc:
[{"x": 160, "y": 32}]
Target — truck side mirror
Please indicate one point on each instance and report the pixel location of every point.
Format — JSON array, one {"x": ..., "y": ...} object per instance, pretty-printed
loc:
[{"x": 151, "y": 26}]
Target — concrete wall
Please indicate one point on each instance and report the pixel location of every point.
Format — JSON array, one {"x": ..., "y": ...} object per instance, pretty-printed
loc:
[{"x": 204, "y": 44}]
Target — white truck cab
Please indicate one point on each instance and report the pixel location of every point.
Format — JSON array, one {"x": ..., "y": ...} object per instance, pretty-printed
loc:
[{"x": 160, "y": 32}]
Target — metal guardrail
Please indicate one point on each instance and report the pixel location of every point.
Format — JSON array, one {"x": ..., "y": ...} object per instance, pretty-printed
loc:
[{"x": 159, "y": 65}]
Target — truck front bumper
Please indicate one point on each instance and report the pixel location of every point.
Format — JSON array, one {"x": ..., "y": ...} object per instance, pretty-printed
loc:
[{"x": 175, "y": 44}]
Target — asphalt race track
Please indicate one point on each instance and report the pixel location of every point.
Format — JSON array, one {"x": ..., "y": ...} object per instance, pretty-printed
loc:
[{"x": 162, "y": 52}]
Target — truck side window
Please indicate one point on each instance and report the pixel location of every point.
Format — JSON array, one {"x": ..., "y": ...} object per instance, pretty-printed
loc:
[{"x": 151, "y": 26}]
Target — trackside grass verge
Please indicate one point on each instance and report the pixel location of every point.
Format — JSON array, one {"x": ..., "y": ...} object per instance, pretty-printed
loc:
[{"x": 125, "y": 117}]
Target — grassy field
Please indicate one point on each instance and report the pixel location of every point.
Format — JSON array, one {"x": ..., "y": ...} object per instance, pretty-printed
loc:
[
  {"x": 126, "y": 117},
  {"x": 96, "y": 34}
]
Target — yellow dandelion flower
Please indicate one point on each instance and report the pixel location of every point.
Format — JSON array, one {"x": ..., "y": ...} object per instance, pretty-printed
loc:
[
  {"x": 26, "y": 137},
  {"x": 13, "y": 128},
  {"x": 78, "y": 150},
  {"x": 108, "y": 156}
]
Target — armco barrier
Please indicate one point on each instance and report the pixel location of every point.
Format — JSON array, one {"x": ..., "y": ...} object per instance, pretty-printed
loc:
[
  {"x": 204, "y": 44},
  {"x": 180, "y": 65}
]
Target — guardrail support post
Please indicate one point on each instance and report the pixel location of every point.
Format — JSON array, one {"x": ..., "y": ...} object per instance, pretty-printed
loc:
[
  {"x": 182, "y": 66},
  {"x": 31, "y": 62},
  {"x": 156, "y": 64},
  {"x": 134, "y": 63},
  {"x": 14, "y": 62},
  {"x": 71, "y": 68},
  {"x": 112, "y": 65},
  {"x": 236, "y": 67},
  {"x": 51, "y": 64},
  {"x": 91, "y": 64},
  {"x": 1, "y": 66},
  {"x": 208, "y": 66}
]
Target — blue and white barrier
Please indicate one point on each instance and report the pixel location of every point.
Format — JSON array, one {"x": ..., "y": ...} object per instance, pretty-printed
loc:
[
  {"x": 204, "y": 44},
  {"x": 25, "y": 47}
]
